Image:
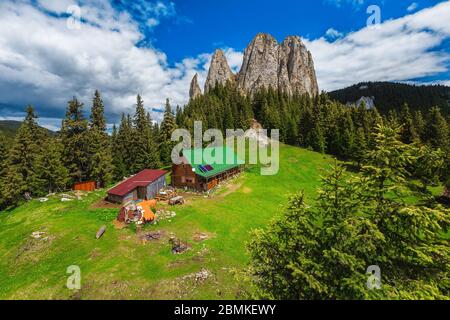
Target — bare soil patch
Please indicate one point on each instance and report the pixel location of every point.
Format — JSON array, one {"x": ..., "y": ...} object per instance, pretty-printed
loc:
[
  {"x": 119, "y": 225},
  {"x": 201, "y": 236},
  {"x": 103, "y": 204},
  {"x": 231, "y": 187},
  {"x": 185, "y": 286},
  {"x": 33, "y": 249},
  {"x": 150, "y": 236}
]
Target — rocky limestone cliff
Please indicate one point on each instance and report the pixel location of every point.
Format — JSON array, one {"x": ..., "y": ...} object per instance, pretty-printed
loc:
[
  {"x": 195, "y": 90},
  {"x": 260, "y": 64},
  {"x": 219, "y": 71},
  {"x": 288, "y": 67},
  {"x": 296, "y": 68}
]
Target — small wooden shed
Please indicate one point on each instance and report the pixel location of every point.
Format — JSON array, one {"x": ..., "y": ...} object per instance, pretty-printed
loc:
[
  {"x": 84, "y": 186},
  {"x": 143, "y": 186}
]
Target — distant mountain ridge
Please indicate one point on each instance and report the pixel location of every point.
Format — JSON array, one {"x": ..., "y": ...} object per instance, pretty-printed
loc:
[
  {"x": 391, "y": 95},
  {"x": 9, "y": 128}
]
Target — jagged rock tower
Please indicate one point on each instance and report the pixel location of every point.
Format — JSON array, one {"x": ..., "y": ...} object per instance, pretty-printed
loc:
[
  {"x": 219, "y": 71},
  {"x": 195, "y": 90},
  {"x": 288, "y": 67}
]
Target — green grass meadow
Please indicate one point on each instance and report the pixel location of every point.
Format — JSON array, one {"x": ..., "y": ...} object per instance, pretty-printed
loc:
[{"x": 120, "y": 266}]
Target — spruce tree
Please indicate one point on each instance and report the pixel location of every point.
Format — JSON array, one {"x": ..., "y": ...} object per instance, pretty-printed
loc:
[
  {"x": 3, "y": 156},
  {"x": 144, "y": 145},
  {"x": 75, "y": 140},
  {"x": 119, "y": 171},
  {"x": 428, "y": 166},
  {"x": 53, "y": 175},
  {"x": 419, "y": 125},
  {"x": 4, "y": 146},
  {"x": 347, "y": 137},
  {"x": 408, "y": 133},
  {"x": 315, "y": 139},
  {"x": 101, "y": 167},
  {"x": 123, "y": 148},
  {"x": 228, "y": 121},
  {"x": 21, "y": 175},
  {"x": 323, "y": 251},
  {"x": 360, "y": 147},
  {"x": 414, "y": 257},
  {"x": 98, "y": 113},
  {"x": 168, "y": 125},
  {"x": 437, "y": 130}
]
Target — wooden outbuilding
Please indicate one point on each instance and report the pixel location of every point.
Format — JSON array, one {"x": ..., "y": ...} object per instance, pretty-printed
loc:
[
  {"x": 195, "y": 173},
  {"x": 143, "y": 186},
  {"x": 84, "y": 186}
]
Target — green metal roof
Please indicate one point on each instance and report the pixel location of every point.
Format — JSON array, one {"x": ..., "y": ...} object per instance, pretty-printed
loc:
[{"x": 196, "y": 159}]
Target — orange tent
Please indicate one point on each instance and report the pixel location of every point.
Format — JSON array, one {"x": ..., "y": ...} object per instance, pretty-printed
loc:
[{"x": 147, "y": 207}]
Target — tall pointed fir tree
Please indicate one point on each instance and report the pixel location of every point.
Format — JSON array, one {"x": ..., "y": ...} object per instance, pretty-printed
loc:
[
  {"x": 408, "y": 132},
  {"x": 119, "y": 170},
  {"x": 101, "y": 168},
  {"x": 75, "y": 140},
  {"x": 419, "y": 124},
  {"x": 53, "y": 175},
  {"x": 359, "y": 147},
  {"x": 21, "y": 176},
  {"x": 123, "y": 148},
  {"x": 3, "y": 156},
  {"x": 168, "y": 125},
  {"x": 437, "y": 130},
  {"x": 4, "y": 147},
  {"x": 144, "y": 145}
]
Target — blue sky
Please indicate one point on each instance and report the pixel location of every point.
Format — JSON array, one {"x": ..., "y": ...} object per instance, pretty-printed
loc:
[
  {"x": 233, "y": 23},
  {"x": 155, "y": 47}
]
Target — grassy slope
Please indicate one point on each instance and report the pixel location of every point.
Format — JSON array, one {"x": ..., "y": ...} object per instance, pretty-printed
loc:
[{"x": 119, "y": 266}]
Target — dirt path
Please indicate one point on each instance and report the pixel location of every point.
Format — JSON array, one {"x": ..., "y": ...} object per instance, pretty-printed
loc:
[{"x": 231, "y": 187}]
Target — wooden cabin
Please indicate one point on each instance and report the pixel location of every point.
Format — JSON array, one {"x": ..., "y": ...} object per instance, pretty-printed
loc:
[
  {"x": 202, "y": 176},
  {"x": 143, "y": 186}
]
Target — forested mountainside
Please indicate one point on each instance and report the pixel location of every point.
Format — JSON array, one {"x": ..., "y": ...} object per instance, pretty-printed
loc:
[{"x": 390, "y": 95}]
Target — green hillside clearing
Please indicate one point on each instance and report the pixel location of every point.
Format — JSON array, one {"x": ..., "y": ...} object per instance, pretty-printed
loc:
[{"x": 120, "y": 266}]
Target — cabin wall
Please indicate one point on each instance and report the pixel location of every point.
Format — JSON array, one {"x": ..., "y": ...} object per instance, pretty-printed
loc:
[
  {"x": 130, "y": 196},
  {"x": 183, "y": 176},
  {"x": 115, "y": 199},
  {"x": 155, "y": 187},
  {"x": 133, "y": 195}
]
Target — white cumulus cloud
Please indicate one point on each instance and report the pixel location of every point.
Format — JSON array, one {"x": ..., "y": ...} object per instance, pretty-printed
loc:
[
  {"x": 413, "y": 6},
  {"x": 333, "y": 34},
  {"x": 396, "y": 50},
  {"x": 45, "y": 63}
]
